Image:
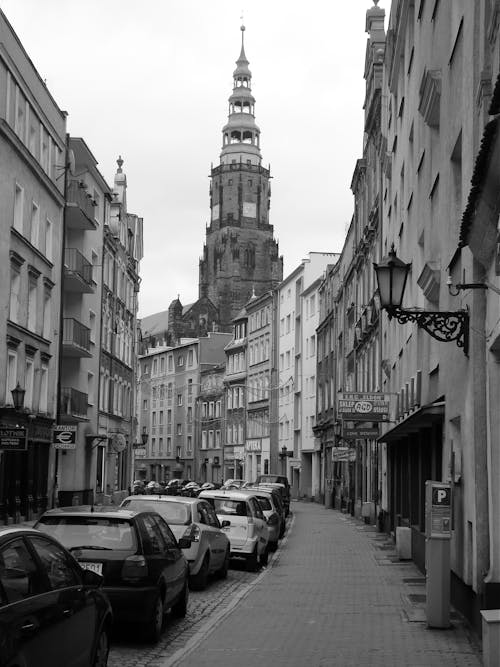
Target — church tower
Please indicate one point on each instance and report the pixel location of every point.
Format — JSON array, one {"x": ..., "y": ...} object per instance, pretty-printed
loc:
[{"x": 240, "y": 255}]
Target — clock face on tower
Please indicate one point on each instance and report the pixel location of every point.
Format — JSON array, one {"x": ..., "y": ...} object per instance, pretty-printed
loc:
[{"x": 249, "y": 209}]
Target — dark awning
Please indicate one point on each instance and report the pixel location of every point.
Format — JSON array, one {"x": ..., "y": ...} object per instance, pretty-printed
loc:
[{"x": 424, "y": 417}]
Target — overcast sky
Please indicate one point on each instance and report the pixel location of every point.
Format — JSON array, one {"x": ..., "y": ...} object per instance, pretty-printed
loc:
[{"x": 150, "y": 79}]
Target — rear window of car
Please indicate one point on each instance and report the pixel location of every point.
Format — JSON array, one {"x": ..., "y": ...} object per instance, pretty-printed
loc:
[
  {"x": 228, "y": 507},
  {"x": 96, "y": 532},
  {"x": 265, "y": 503},
  {"x": 173, "y": 512},
  {"x": 273, "y": 479}
]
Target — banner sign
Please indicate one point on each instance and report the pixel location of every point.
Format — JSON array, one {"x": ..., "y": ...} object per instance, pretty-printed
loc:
[
  {"x": 13, "y": 439},
  {"x": 363, "y": 407}
]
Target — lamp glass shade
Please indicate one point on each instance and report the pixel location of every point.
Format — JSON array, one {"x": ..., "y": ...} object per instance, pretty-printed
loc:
[
  {"x": 18, "y": 397},
  {"x": 392, "y": 274}
]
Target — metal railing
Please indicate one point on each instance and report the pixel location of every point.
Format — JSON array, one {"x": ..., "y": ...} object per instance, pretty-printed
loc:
[{"x": 76, "y": 333}]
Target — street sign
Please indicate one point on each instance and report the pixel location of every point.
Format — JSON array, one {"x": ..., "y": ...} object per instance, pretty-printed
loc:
[
  {"x": 13, "y": 439},
  {"x": 359, "y": 430},
  {"x": 343, "y": 454},
  {"x": 372, "y": 407},
  {"x": 140, "y": 451},
  {"x": 64, "y": 436},
  {"x": 438, "y": 509}
]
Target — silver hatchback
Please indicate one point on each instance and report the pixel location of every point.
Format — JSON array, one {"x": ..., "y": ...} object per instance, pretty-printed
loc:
[{"x": 195, "y": 519}]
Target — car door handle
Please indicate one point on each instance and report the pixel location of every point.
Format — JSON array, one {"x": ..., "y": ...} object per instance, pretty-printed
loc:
[
  {"x": 67, "y": 612},
  {"x": 28, "y": 627}
]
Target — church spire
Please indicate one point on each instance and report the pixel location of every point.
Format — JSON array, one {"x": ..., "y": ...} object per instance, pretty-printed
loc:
[{"x": 241, "y": 135}]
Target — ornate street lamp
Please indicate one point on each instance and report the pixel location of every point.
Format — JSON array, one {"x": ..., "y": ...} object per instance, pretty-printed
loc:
[
  {"x": 18, "y": 397},
  {"x": 144, "y": 438},
  {"x": 445, "y": 326}
]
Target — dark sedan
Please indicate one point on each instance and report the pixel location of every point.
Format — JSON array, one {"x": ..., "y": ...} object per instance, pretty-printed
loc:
[
  {"x": 145, "y": 572},
  {"x": 52, "y": 612}
]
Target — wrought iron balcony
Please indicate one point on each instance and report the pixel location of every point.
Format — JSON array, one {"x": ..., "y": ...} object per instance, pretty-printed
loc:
[
  {"x": 76, "y": 338},
  {"x": 77, "y": 272},
  {"x": 80, "y": 207},
  {"x": 74, "y": 403}
]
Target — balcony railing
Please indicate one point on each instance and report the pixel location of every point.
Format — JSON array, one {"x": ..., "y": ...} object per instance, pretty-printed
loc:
[
  {"x": 76, "y": 338},
  {"x": 74, "y": 403},
  {"x": 80, "y": 207},
  {"x": 77, "y": 272}
]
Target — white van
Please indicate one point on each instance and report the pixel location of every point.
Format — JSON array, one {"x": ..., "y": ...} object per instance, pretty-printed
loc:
[{"x": 247, "y": 531}]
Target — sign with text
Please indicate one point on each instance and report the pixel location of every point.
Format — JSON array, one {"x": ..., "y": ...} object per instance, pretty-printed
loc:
[
  {"x": 343, "y": 454},
  {"x": 13, "y": 439},
  {"x": 65, "y": 436},
  {"x": 438, "y": 509},
  {"x": 355, "y": 430},
  {"x": 372, "y": 407}
]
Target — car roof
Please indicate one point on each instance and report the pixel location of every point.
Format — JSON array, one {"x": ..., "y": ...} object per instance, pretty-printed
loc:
[
  {"x": 18, "y": 530},
  {"x": 232, "y": 494},
  {"x": 93, "y": 510},
  {"x": 162, "y": 499}
]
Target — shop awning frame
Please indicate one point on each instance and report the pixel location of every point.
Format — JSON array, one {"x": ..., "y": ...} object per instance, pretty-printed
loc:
[{"x": 424, "y": 417}]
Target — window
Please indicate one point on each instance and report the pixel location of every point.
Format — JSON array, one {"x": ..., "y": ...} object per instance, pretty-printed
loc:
[
  {"x": 203, "y": 439},
  {"x": 189, "y": 444},
  {"x": 180, "y": 360},
  {"x": 190, "y": 388},
  {"x": 161, "y": 418},
  {"x": 15, "y": 288},
  {"x": 44, "y": 389},
  {"x": 32, "y": 304},
  {"x": 169, "y": 391},
  {"x": 92, "y": 325},
  {"x": 144, "y": 405},
  {"x": 29, "y": 377},
  {"x": 190, "y": 357},
  {"x": 169, "y": 446},
  {"x": 210, "y": 439},
  {"x": 19, "y": 576},
  {"x": 90, "y": 389},
  {"x": 179, "y": 429},
  {"x": 179, "y": 399},
  {"x": 218, "y": 438},
  {"x": 35, "y": 224},
  {"x": 59, "y": 569},
  {"x": 217, "y": 409},
  {"x": 18, "y": 208},
  {"x": 190, "y": 415}
]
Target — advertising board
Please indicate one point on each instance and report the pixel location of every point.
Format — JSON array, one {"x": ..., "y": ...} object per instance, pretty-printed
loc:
[{"x": 373, "y": 407}]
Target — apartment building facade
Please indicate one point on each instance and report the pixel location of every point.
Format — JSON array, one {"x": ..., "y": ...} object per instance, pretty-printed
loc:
[{"x": 33, "y": 150}]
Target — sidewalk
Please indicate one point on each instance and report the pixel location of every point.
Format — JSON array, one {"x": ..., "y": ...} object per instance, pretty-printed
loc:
[{"x": 333, "y": 596}]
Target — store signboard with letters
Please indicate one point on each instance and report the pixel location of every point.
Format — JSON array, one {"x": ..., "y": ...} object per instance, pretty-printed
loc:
[{"x": 372, "y": 407}]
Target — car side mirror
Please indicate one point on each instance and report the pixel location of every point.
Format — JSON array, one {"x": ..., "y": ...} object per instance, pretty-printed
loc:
[
  {"x": 184, "y": 543},
  {"x": 225, "y": 523},
  {"x": 91, "y": 579}
]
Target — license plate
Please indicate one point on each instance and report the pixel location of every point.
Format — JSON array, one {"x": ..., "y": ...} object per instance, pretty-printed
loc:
[{"x": 94, "y": 567}]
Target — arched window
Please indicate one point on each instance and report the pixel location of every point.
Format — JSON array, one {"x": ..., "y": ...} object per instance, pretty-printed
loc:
[
  {"x": 247, "y": 137},
  {"x": 235, "y": 137}
]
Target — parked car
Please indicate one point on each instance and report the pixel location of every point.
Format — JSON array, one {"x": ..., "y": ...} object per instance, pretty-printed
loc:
[
  {"x": 174, "y": 486},
  {"x": 285, "y": 494},
  {"x": 194, "y": 519},
  {"x": 233, "y": 483},
  {"x": 247, "y": 530},
  {"x": 190, "y": 490},
  {"x": 52, "y": 611},
  {"x": 274, "y": 511},
  {"x": 144, "y": 569}
]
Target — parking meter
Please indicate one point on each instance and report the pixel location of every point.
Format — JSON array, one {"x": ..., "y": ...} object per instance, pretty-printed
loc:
[{"x": 438, "y": 523}]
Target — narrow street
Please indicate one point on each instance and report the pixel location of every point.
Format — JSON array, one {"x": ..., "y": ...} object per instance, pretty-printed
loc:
[{"x": 334, "y": 594}]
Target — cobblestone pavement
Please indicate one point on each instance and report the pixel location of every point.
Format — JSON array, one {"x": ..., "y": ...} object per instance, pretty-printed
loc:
[
  {"x": 334, "y": 595},
  {"x": 216, "y": 599}
]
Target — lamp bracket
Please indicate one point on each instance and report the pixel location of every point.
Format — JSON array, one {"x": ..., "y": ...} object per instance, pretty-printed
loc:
[
  {"x": 95, "y": 440},
  {"x": 444, "y": 326}
]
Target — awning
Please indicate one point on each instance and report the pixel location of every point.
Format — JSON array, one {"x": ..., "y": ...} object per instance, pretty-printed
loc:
[{"x": 426, "y": 416}]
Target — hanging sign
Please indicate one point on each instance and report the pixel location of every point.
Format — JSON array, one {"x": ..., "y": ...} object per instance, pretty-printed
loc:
[
  {"x": 64, "y": 436},
  {"x": 372, "y": 407},
  {"x": 354, "y": 430}
]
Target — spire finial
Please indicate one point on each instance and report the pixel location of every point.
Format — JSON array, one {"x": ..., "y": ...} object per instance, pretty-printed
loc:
[
  {"x": 375, "y": 2},
  {"x": 119, "y": 162},
  {"x": 242, "y": 28}
]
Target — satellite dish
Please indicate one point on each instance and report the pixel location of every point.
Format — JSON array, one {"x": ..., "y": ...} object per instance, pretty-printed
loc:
[
  {"x": 117, "y": 442},
  {"x": 71, "y": 161}
]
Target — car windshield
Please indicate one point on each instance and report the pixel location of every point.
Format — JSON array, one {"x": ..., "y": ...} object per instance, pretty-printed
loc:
[
  {"x": 229, "y": 507},
  {"x": 173, "y": 512},
  {"x": 94, "y": 532}
]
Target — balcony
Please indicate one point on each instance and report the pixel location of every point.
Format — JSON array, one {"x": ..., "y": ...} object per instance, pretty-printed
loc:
[
  {"x": 74, "y": 404},
  {"x": 76, "y": 338},
  {"x": 80, "y": 207},
  {"x": 77, "y": 272}
]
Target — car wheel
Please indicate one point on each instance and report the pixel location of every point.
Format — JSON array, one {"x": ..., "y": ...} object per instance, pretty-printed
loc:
[
  {"x": 180, "y": 607},
  {"x": 253, "y": 561},
  {"x": 155, "y": 624},
  {"x": 102, "y": 650},
  {"x": 198, "y": 581},
  {"x": 222, "y": 573}
]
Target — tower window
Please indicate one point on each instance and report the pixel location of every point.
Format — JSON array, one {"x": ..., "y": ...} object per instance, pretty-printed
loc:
[{"x": 250, "y": 183}]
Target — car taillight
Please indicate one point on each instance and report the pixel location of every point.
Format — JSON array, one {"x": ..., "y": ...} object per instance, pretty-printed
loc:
[
  {"x": 251, "y": 527},
  {"x": 134, "y": 568},
  {"x": 273, "y": 520},
  {"x": 192, "y": 533}
]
